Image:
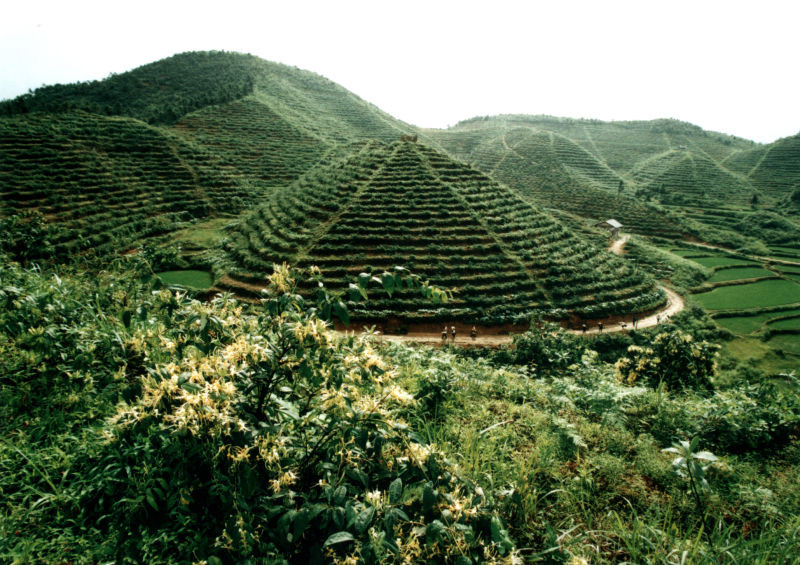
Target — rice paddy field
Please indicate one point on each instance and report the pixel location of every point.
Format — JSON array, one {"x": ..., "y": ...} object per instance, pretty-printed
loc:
[
  {"x": 739, "y": 273},
  {"x": 743, "y": 325},
  {"x": 758, "y": 294},
  {"x": 721, "y": 261}
]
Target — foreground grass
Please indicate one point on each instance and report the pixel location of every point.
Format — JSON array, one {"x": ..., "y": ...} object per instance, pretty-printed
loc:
[
  {"x": 576, "y": 464},
  {"x": 133, "y": 431}
]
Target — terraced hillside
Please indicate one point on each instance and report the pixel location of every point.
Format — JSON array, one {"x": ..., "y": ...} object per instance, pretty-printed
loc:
[
  {"x": 680, "y": 176},
  {"x": 777, "y": 173},
  {"x": 556, "y": 173},
  {"x": 229, "y": 128},
  {"x": 660, "y": 177},
  {"x": 106, "y": 183},
  {"x": 407, "y": 204},
  {"x": 253, "y": 142}
]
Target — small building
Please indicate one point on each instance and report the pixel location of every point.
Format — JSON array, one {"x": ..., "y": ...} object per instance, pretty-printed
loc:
[{"x": 613, "y": 226}]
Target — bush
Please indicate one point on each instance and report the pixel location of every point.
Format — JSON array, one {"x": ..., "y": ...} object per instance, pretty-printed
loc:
[
  {"x": 672, "y": 359},
  {"x": 547, "y": 347}
]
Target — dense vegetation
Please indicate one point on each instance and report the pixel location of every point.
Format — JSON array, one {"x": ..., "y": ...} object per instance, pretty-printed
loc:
[
  {"x": 662, "y": 178},
  {"x": 146, "y": 417},
  {"x": 141, "y": 425},
  {"x": 408, "y": 204}
]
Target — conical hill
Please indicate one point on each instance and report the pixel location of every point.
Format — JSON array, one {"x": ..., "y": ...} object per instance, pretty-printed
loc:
[{"x": 406, "y": 204}]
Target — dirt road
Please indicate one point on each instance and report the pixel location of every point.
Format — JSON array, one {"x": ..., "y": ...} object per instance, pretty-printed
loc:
[{"x": 674, "y": 305}]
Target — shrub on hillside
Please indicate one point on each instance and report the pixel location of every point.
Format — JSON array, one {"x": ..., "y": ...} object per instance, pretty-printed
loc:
[
  {"x": 25, "y": 237},
  {"x": 273, "y": 439},
  {"x": 672, "y": 359},
  {"x": 547, "y": 347}
]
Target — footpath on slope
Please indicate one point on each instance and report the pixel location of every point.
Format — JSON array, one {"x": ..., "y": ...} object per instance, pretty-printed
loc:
[{"x": 674, "y": 305}]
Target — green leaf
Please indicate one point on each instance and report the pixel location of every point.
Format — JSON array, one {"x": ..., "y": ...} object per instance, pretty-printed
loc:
[
  {"x": 364, "y": 519},
  {"x": 340, "y": 311},
  {"x": 213, "y": 560},
  {"x": 338, "y": 537},
  {"x": 395, "y": 490},
  {"x": 150, "y": 500},
  {"x": 339, "y": 495},
  {"x": 428, "y": 498},
  {"x": 433, "y": 532},
  {"x": 387, "y": 280},
  {"x": 363, "y": 280},
  {"x": 356, "y": 292}
]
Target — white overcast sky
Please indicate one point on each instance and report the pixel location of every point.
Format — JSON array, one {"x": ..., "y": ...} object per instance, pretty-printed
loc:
[{"x": 727, "y": 66}]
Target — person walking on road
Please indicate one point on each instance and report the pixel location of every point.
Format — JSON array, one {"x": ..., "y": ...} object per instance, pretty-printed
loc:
[
  {"x": 444, "y": 334},
  {"x": 453, "y": 333}
]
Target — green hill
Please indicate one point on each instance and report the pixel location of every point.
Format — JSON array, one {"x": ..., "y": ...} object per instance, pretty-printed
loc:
[
  {"x": 680, "y": 176},
  {"x": 407, "y": 204},
  {"x": 557, "y": 173},
  {"x": 232, "y": 128},
  {"x": 777, "y": 172},
  {"x": 225, "y": 129},
  {"x": 104, "y": 183},
  {"x": 708, "y": 182},
  {"x": 164, "y": 91}
]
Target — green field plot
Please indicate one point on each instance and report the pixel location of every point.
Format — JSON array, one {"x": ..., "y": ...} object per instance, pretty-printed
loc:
[
  {"x": 743, "y": 325},
  {"x": 203, "y": 234},
  {"x": 790, "y": 343},
  {"x": 189, "y": 278},
  {"x": 739, "y": 273},
  {"x": 753, "y": 295},
  {"x": 688, "y": 253},
  {"x": 782, "y": 250},
  {"x": 786, "y": 324},
  {"x": 720, "y": 261}
]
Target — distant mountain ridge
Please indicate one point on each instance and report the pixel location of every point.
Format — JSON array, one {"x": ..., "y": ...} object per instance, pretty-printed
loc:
[{"x": 235, "y": 128}]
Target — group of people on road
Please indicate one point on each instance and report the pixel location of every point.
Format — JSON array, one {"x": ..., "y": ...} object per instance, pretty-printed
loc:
[
  {"x": 473, "y": 333},
  {"x": 624, "y": 324}
]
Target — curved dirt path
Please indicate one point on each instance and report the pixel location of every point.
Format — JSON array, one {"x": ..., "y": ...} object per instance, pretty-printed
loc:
[
  {"x": 616, "y": 247},
  {"x": 675, "y": 304}
]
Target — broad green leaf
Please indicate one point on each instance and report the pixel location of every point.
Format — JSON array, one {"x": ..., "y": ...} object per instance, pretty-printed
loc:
[
  {"x": 428, "y": 498},
  {"x": 356, "y": 292},
  {"x": 340, "y": 311},
  {"x": 364, "y": 519},
  {"x": 395, "y": 490},
  {"x": 339, "y": 495},
  {"x": 387, "y": 280},
  {"x": 150, "y": 500},
  {"x": 338, "y": 537}
]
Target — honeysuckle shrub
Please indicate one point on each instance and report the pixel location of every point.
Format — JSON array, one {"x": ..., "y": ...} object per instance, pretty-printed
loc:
[
  {"x": 547, "y": 347},
  {"x": 672, "y": 359},
  {"x": 260, "y": 434}
]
